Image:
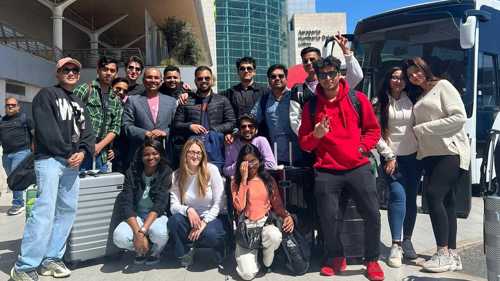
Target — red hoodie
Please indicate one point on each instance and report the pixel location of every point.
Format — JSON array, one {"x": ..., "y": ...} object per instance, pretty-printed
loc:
[{"x": 339, "y": 149}]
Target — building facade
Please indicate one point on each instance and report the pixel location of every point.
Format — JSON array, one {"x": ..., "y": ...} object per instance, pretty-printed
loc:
[
  {"x": 300, "y": 7},
  {"x": 249, "y": 28},
  {"x": 312, "y": 29}
]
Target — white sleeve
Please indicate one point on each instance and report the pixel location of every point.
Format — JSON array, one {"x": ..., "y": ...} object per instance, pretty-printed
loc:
[
  {"x": 217, "y": 192},
  {"x": 295, "y": 116},
  {"x": 175, "y": 203},
  {"x": 354, "y": 73}
]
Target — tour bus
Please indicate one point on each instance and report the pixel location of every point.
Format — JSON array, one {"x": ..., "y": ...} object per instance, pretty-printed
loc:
[{"x": 459, "y": 39}]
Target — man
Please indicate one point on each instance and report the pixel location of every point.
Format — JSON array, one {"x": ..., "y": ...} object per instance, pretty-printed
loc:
[
  {"x": 204, "y": 111},
  {"x": 247, "y": 134},
  {"x": 118, "y": 155},
  {"x": 15, "y": 135},
  {"x": 134, "y": 69},
  {"x": 245, "y": 94},
  {"x": 272, "y": 109},
  {"x": 341, "y": 135},
  {"x": 63, "y": 136},
  {"x": 148, "y": 115},
  {"x": 173, "y": 86},
  {"x": 105, "y": 111},
  {"x": 301, "y": 93}
]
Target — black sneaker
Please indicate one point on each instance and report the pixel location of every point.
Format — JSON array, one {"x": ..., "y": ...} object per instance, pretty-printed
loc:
[
  {"x": 152, "y": 260},
  {"x": 15, "y": 210},
  {"x": 140, "y": 259}
]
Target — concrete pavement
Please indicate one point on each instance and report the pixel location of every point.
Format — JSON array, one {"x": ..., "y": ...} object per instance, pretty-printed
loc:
[{"x": 470, "y": 232}]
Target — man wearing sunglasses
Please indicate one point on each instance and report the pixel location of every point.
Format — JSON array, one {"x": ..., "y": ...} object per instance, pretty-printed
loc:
[
  {"x": 341, "y": 134},
  {"x": 247, "y": 133},
  {"x": 16, "y": 132},
  {"x": 63, "y": 136},
  {"x": 105, "y": 112},
  {"x": 134, "y": 68},
  {"x": 302, "y": 92},
  {"x": 272, "y": 114}
]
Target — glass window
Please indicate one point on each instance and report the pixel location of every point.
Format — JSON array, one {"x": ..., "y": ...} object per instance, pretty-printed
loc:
[{"x": 486, "y": 81}]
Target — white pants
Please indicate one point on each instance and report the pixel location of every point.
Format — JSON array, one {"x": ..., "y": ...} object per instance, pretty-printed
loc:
[{"x": 247, "y": 264}]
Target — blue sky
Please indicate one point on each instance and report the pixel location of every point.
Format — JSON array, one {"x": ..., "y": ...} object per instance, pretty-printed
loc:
[{"x": 359, "y": 9}]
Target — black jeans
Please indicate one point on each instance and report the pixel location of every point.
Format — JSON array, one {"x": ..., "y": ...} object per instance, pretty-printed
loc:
[
  {"x": 361, "y": 184},
  {"x": 442, "y": 172}
]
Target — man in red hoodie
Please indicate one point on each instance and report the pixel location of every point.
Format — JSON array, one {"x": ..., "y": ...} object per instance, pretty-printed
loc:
[{"x": 341, "y": 139}]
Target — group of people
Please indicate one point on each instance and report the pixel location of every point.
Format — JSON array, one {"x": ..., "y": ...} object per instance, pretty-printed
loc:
[{"x": 175, "y": 146}]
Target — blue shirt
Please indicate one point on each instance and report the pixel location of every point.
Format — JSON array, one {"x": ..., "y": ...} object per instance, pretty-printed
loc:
[{"x": 277, "y": 118}]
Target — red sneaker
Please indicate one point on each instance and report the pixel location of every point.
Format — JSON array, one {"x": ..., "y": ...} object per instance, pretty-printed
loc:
[
  {"x": 337, "y": 265},
  {"x": 373, "y": 271}
]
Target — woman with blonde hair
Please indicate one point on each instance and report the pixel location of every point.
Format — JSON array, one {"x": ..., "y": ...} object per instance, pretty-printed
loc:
[{"x": 195, "y": 203}]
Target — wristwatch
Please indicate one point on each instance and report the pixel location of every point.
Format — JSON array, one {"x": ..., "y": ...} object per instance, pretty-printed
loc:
[{"x": 143, "y": 230}]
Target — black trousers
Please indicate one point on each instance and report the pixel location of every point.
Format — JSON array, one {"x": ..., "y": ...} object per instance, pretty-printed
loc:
[
  {"x": 361, "y": 185},
  {"x": 442, "y": 172}
]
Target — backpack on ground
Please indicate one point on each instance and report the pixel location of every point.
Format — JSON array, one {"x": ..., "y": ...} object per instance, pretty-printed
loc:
[{"x": 295, "y": 250}]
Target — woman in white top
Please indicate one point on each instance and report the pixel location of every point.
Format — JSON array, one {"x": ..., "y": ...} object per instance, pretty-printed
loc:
[
  {"x": 398, "y": 147},
  {"x": 195, "y": 202},
  {"x": 444, "y": 149}
]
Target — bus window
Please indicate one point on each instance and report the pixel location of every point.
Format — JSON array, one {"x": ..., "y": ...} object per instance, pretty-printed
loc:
[{"x": 486, "y": 84}]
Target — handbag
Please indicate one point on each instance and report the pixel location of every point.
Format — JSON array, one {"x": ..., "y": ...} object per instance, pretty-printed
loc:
[{"x": 248, "y": 238}]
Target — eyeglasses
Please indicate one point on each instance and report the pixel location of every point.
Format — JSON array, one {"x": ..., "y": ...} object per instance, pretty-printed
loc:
[
  {"x": 248, "y": 69},
  {"x": 277, "y": 76},
  {"x": 137, "y": 69},
  {"x": 67, "y": 70},
  {"x": 396, "y": 78},
  {"x": 194, "y": 153},
  {"x": 331, "y": 74},
  {"x": 10, "y": 105},
  {"x": 249, "y": 126},
  {"x": 200, "y": 79},
  {"x": 308, "y": 60}
]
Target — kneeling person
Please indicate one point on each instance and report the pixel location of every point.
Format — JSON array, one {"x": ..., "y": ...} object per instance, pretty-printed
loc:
[
  {"x": 143, "y": 203},
  {"x": 196, "y": 201}
]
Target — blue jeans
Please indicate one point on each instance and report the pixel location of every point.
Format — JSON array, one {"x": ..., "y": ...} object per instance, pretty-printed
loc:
[
  {"x": 99, "y": 165},
  {"x": 123, "y": 237},
  {"x": 10, "y": 162},
  {"x": 212, "y": 236},
  {"x": 52, "y": 216},
  {"x": 402, "y": 209}
]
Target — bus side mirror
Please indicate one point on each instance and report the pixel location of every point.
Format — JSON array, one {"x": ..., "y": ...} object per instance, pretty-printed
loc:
[
  {"x": 468, "y": 32},
  {"x": 468, "y": 27}
]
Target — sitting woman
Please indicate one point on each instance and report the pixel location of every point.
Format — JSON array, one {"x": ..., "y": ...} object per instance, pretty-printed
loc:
[
  {"x": 255, "y": 193},
  {"x": 143, "y": 203},
  {"x": 196, "y": 199}
]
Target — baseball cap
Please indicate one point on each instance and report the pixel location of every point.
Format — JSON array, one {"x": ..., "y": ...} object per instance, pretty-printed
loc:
[{"x": 62, "y": 62}]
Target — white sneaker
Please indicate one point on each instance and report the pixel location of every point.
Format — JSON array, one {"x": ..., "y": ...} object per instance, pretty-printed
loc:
[
  {"x": 396, "y": 256},
  {"x": 54, "y": 268},
  {"x": 440, "y": 262},
  {"x": 457, "y": 261}
]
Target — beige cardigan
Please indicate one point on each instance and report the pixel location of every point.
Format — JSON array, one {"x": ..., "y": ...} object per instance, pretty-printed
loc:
[{"x": 440, "y": 124}]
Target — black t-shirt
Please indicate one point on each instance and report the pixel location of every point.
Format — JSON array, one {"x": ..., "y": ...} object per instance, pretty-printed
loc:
[{"x": 15, "y": 133}]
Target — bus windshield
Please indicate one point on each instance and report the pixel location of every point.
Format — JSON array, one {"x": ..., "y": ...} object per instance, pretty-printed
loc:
[{"x": 436, "y": 41}]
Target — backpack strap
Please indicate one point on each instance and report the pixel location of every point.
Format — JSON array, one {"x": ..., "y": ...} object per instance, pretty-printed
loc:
[
  {"x": 312, "y": 110},
  {"x": 356, "y": 104}
]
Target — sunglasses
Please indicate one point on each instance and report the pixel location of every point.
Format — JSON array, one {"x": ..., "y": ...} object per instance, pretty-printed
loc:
[
  {"x": 200, "y": 79},
  {"x": 10, "y": 105},
  {"x": 120, "y": 90},
  {"x": 309, "y": 60},
  {"x": 253, "y": 163},
  {"x": 249, "y": 126},
  {"x": 67, "y": 70},
  {"x": 248, "y": 69},
  {"x": 277, "y": 76},
  {"x": 396, "y": 78},
  {"x": 137, "y": 69},
  {"x": 324, "y": 75}
]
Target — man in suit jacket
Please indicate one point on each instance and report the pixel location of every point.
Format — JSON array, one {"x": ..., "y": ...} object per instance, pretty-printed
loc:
[{"x": 148, "y": 114}]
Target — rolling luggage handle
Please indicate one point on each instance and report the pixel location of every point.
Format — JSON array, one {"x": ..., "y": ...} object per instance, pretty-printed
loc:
[{"x": 284, "y": 183}]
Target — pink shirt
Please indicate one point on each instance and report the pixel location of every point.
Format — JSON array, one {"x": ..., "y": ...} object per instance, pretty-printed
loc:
[{"x": 154, "y": 104}]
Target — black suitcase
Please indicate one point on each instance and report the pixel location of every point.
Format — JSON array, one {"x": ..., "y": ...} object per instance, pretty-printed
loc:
[
  {"x": 463, "y": 195},
  {"x": 352, "y": 229}
]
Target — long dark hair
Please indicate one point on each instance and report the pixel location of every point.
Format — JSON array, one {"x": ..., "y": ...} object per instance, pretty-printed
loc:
[
  {"x": 383, "y": 101},
  {"x": 415, "y": 91},
  {"x": 261, "y": 172},
  {"x": 138, "y": 164}
]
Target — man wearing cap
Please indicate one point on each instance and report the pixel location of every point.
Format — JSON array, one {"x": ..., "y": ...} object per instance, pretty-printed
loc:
[{"x": 63, "y": 136}]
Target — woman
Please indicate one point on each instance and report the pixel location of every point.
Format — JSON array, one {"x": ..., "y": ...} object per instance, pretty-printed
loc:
[
  {"x": 196, "y": 199},
  {"x": 255, "y": 194},
  {"x": 398, "y": 146},
  {"x": 444, "y": 149},
  {"x": 143, "y": 203}
]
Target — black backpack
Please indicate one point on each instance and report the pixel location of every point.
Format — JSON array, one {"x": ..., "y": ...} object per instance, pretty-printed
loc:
[{"x": 295, "y": 251}]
